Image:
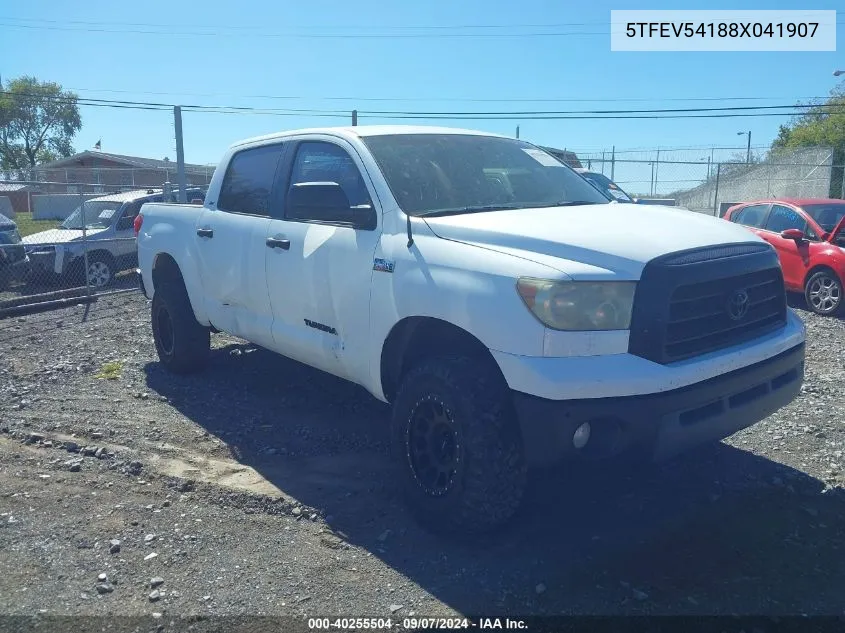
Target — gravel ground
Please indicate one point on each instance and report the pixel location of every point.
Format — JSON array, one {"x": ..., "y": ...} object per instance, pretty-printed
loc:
[{"x": 264, "y": 487}]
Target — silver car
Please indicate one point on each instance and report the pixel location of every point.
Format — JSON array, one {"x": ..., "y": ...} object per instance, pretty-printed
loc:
[{"x": 104, "y": 228}]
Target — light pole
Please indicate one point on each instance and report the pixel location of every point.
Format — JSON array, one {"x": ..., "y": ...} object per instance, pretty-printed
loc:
[
  {"x": 837, "y": 73},
  {"x": 748, "y": 154}
]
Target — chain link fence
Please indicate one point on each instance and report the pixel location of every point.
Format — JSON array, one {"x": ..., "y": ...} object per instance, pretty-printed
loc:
[
  {"x": 70, "y": 248},
  {"x": 708, "y": 187}
]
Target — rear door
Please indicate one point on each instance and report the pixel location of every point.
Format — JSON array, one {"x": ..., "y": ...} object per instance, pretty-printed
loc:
[
  {"x": 753, "y": 216},
  {"x": 230, "y": 238}
]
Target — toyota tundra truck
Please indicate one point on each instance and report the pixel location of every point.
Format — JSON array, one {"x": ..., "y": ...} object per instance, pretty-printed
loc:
[{"x": 509, "y": 312}]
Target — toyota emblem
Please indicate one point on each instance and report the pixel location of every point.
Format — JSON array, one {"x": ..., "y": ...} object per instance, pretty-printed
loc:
[{"x": 738, "y": 304}]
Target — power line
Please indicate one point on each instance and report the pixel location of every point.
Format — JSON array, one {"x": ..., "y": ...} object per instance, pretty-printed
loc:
[
  {"x": 305, "y": 26},
  {"x": 404, "y": 112},
  {"x": 717, "y": 112},
  {"x": 401, "y": 27},
  {"x": 300, "y": 35},
  {"x": 448, "y": 99}
]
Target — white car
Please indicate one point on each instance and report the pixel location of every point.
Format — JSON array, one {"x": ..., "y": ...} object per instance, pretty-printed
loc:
[{"x": 507, "y": 310}]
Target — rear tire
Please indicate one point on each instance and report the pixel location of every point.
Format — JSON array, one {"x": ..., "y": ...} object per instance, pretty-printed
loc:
[
  {"x": 458, "y": 446},
  {"x": 183, "y": 345},
  {"x": 823, "y": 293}
]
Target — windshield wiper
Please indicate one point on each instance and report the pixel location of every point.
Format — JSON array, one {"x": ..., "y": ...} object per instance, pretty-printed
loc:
[
  {"x": 472, "y": 209},
  {"x": 574, "y": 203}
]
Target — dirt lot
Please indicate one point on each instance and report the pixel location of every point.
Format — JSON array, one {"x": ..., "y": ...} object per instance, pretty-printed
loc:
[{"x": 264, "y": 487}]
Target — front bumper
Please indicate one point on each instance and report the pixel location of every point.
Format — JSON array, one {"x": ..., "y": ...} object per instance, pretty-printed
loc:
[
  {"x": 16, "y": 271},
  {"x": 43, "y": 263},
  {"x": 661, "y": 424}
]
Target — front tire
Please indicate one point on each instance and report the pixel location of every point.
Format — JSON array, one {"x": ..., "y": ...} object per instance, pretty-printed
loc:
[
  {"x": 459, "y": 450},
  {"x": 823, "y": 293},
  {"x": 100, "y": 272},
  {"x": 183, "y": 345}
]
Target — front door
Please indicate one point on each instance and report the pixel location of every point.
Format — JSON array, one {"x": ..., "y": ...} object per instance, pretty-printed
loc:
[
  {"x": 319, "y": 268},
  {"x": 794, "y": 255},
  {"x": 230, "y": 237}
]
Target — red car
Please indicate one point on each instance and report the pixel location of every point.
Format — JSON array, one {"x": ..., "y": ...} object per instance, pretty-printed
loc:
[{"x": 809, "y": 236}]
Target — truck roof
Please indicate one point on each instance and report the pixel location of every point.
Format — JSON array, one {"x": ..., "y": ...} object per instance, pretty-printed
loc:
[{"x": 368, "y": 130}]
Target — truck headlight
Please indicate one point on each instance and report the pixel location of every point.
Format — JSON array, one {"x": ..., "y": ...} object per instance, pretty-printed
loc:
[{"x": 579, "y": 305}]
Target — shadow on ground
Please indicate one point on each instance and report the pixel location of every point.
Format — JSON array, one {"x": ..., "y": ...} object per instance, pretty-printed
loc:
[{"x": 718, "y": 531}]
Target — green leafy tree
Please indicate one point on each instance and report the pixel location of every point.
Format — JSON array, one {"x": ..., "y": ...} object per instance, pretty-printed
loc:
[
  {"x": 38, "y": 121},
  {"x": 822, "y": 125}
]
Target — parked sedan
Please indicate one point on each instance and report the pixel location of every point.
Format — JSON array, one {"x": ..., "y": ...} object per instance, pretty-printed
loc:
[{"x": 809, "y": 236}]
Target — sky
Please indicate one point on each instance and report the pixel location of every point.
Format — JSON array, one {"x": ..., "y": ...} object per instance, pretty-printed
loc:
[{"x": 287, "y": 55}]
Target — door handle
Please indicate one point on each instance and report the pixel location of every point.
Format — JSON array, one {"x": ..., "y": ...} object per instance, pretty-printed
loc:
[
  {"x": 273, "y": 242},
  {"x": 205, "y": 232}
]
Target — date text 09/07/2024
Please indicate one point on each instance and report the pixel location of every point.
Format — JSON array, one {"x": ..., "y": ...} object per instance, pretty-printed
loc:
[{"x": 414, "y": 624}]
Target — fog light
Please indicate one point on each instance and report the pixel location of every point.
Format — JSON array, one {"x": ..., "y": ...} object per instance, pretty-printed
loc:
[{"x": 581, "y": 435}]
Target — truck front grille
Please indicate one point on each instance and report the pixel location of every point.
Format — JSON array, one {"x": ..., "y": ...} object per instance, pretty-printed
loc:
[{"x": 700, "y": 301}]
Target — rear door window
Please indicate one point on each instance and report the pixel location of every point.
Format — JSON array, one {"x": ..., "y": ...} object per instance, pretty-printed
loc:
[
  {"x": 753, "y": 215},
  {"x": 249, "y": 180}
]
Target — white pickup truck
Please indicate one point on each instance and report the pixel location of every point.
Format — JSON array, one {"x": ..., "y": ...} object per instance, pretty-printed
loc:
[{"x": 510, "y": 313}]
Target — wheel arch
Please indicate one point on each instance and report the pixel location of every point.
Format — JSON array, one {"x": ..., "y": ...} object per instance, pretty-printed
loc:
[
  {"x": 416, "y": 338},
  {"x": 817, "y": 269}
]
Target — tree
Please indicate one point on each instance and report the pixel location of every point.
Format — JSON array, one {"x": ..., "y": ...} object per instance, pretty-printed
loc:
[
  {"x": 822, "y": 125},
  {"x": 38, "y": 121}
]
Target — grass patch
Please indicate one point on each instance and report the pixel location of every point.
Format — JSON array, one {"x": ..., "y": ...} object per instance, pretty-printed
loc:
[
  {"x": 28, "y": 226},
  {"x": 110, "y": 370}
]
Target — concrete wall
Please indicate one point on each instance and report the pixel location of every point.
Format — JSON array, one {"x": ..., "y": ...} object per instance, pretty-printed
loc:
[
  {"x": 804, "y": 173},
  {"x": 6, "y": 207},
  {"x": 56, "y": 206}
]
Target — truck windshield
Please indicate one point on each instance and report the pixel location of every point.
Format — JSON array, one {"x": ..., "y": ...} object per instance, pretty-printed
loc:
[
  {"x": 97, "y": 215},
  {"x": 461, "y": 173}
]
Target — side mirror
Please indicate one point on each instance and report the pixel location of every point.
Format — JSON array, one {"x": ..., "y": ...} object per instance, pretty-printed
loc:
[
  {"x": 793, "y": 234},
  {"x": 327, "y": 202}
]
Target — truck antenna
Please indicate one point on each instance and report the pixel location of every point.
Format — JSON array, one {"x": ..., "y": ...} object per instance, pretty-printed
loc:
[{"x": 410, "y": 236}]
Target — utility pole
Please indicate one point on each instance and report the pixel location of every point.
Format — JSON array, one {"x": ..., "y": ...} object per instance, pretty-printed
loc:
[
  {"x": 354, "y": 118},
  {"x": 748, "y": 154},
  {"x": 748, "y": 151},
  {"x": 180, "y": 155},
  {"x": 613, "y": 162},
  {"x": 652, "y": 179},
  {"x": 656, "y": 168},
  {"x": 517, "y": 131}
]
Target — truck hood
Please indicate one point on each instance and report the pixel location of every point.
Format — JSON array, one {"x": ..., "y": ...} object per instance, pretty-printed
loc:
[
  {"x": 59, "y": 236},
  {"x": 590, "y": 241}
]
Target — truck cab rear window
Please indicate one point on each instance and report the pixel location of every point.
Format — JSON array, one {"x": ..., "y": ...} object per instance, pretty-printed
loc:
[{"x": 248, "y": 182}]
